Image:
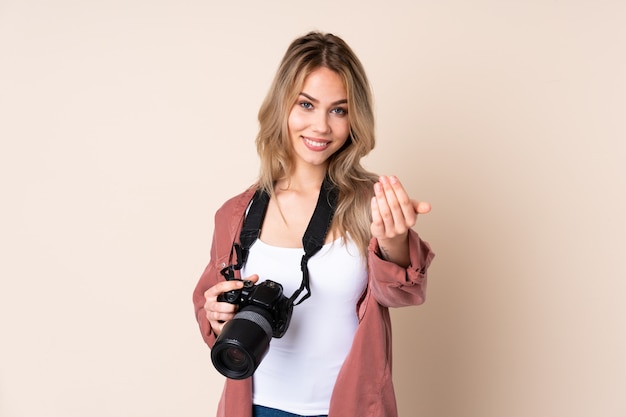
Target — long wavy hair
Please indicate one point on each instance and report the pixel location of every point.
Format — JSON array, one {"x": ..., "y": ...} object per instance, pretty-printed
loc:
[{"x": 355, "y": 184}]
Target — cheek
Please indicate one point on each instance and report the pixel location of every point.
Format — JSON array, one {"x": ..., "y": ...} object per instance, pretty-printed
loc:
[
  {"x": 341, "y": 128},
  {"x": 295, "y": 122}
]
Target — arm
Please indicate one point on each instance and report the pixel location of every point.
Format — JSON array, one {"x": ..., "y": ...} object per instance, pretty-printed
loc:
[
  {"x": 211, "y": 314},
  {"x": 210, "y": 277},
  {"x": 393, "y": 285},
  {"x": 393, "y": 215},
  {"x": 398, "y": 258}
]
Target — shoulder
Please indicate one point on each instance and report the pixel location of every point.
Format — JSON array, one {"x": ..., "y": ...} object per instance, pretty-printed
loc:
[
  {"x": 229, "y": 217},
  {"x": 235, "y": 206}
]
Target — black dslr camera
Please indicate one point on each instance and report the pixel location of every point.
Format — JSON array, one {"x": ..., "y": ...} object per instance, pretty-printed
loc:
[{"x": 264, "y": 312}]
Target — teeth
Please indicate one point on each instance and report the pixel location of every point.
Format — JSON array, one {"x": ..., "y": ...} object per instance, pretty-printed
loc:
[{"x": 314, "y": 143}]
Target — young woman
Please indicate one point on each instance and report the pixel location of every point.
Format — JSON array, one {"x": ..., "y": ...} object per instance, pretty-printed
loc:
[{"x": 316, "y": 124}]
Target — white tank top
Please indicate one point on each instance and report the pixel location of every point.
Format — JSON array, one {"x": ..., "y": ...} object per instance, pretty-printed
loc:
[{"x": 299, "y": 371}]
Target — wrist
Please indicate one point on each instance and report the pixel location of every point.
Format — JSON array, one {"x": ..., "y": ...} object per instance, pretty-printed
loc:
[{"x": 395, "y": 249}]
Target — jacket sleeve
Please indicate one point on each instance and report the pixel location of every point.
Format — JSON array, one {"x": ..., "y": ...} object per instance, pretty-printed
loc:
[
  {"x": 396, "y": 286},
  {"x": 209, "y": 277},
  {"x": 228, "y": 220}
]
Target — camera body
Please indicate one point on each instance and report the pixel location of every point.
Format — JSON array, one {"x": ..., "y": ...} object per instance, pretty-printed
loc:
[
  {"x": 268, "y": 296},
  {"x": 264, "y": 312}
]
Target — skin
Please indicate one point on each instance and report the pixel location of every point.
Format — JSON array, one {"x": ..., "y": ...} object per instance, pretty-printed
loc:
[{"x": 319, "y": 125}]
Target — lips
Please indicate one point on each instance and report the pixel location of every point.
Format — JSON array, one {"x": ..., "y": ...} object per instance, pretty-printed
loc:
[{"x": 315, "y": 144}]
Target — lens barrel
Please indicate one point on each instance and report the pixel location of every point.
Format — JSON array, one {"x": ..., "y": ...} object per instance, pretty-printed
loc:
[{"x": 243, "y": 343}]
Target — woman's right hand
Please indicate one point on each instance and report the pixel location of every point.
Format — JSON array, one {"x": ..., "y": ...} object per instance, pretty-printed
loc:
[{"x": 217, "y": 312}]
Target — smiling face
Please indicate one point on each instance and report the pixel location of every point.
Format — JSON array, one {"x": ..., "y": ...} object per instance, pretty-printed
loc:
[{"x": 318, "y": 121}]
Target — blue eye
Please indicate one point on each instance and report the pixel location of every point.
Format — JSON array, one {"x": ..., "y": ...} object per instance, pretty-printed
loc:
[
  {"x": 306, "y": 105},
  {"x": 340, "y": 111}
]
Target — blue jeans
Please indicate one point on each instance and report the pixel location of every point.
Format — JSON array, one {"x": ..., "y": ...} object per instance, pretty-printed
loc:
[{"x": 260, "y": 411}]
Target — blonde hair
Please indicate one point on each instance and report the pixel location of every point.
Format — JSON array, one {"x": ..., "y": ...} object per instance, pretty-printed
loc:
[{"x": 306, "y": 54}]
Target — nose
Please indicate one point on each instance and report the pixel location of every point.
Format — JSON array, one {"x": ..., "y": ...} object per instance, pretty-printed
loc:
[{"x": 321, "y": 123}]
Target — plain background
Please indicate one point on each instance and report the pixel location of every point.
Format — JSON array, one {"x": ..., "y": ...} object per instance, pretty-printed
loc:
[{"x": 125, "y": 124}]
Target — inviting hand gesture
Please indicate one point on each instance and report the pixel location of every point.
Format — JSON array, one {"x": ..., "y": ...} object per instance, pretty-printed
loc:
[{"x": 393, "y": 214}]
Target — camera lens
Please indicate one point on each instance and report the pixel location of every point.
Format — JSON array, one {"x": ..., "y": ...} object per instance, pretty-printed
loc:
[
  {"x": 243, "y": 343},
  {"x": 235, "y": 356},
  {"x": 234, "y": 359}
]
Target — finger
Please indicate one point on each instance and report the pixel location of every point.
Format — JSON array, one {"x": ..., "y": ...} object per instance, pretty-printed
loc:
[
  {"x": 214, "y": 309},
  {"x": 377, "y": 228},
  {"x": 399, "y": 203},
  {"x": 222, "y": 287},
  {"x": 218, "y": 325},
  {"x": 253, "y": 278},
  {"x": 212, "y": 305},
  {"x": 408, "y": 216},
  {"x": 219, "y": 306},
  {"x": 383, "y": 207},
  {"x": 421, "y": 207},
  {"x": 219, "y": 317}
]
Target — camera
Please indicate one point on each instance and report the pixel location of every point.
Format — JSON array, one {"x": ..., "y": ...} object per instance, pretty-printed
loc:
[{"x": 264, "y": 312}]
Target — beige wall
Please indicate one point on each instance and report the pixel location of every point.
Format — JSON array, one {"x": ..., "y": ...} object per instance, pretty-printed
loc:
[{"x": 125, "y": 124}]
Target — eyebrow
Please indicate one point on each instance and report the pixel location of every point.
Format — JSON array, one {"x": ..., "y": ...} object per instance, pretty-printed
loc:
[{"x": 343, "y": 101}]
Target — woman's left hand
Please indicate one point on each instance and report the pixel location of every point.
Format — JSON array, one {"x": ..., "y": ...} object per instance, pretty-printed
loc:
[{"x": 393, "y": 214}]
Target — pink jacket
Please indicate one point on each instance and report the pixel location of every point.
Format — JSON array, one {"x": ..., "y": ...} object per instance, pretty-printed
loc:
[{"x": 364, "y": 387}]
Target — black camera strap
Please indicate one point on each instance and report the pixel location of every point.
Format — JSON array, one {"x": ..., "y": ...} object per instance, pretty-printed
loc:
[{"x": 312, "y": 241}]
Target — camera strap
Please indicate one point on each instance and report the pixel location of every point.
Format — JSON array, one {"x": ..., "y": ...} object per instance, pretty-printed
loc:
[{"x": 312, "y": 241}]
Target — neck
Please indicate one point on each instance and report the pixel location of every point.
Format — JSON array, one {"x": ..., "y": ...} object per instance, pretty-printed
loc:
[{"x": 304, "y": 180}]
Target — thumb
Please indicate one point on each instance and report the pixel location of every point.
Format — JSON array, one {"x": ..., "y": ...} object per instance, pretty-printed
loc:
[
  {"x": 253, "y": 278},
  {"x": 421, "y": 207}
]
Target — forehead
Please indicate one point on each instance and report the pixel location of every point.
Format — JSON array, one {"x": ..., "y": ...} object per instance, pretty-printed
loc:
[{"x": 324, "y": 84}]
